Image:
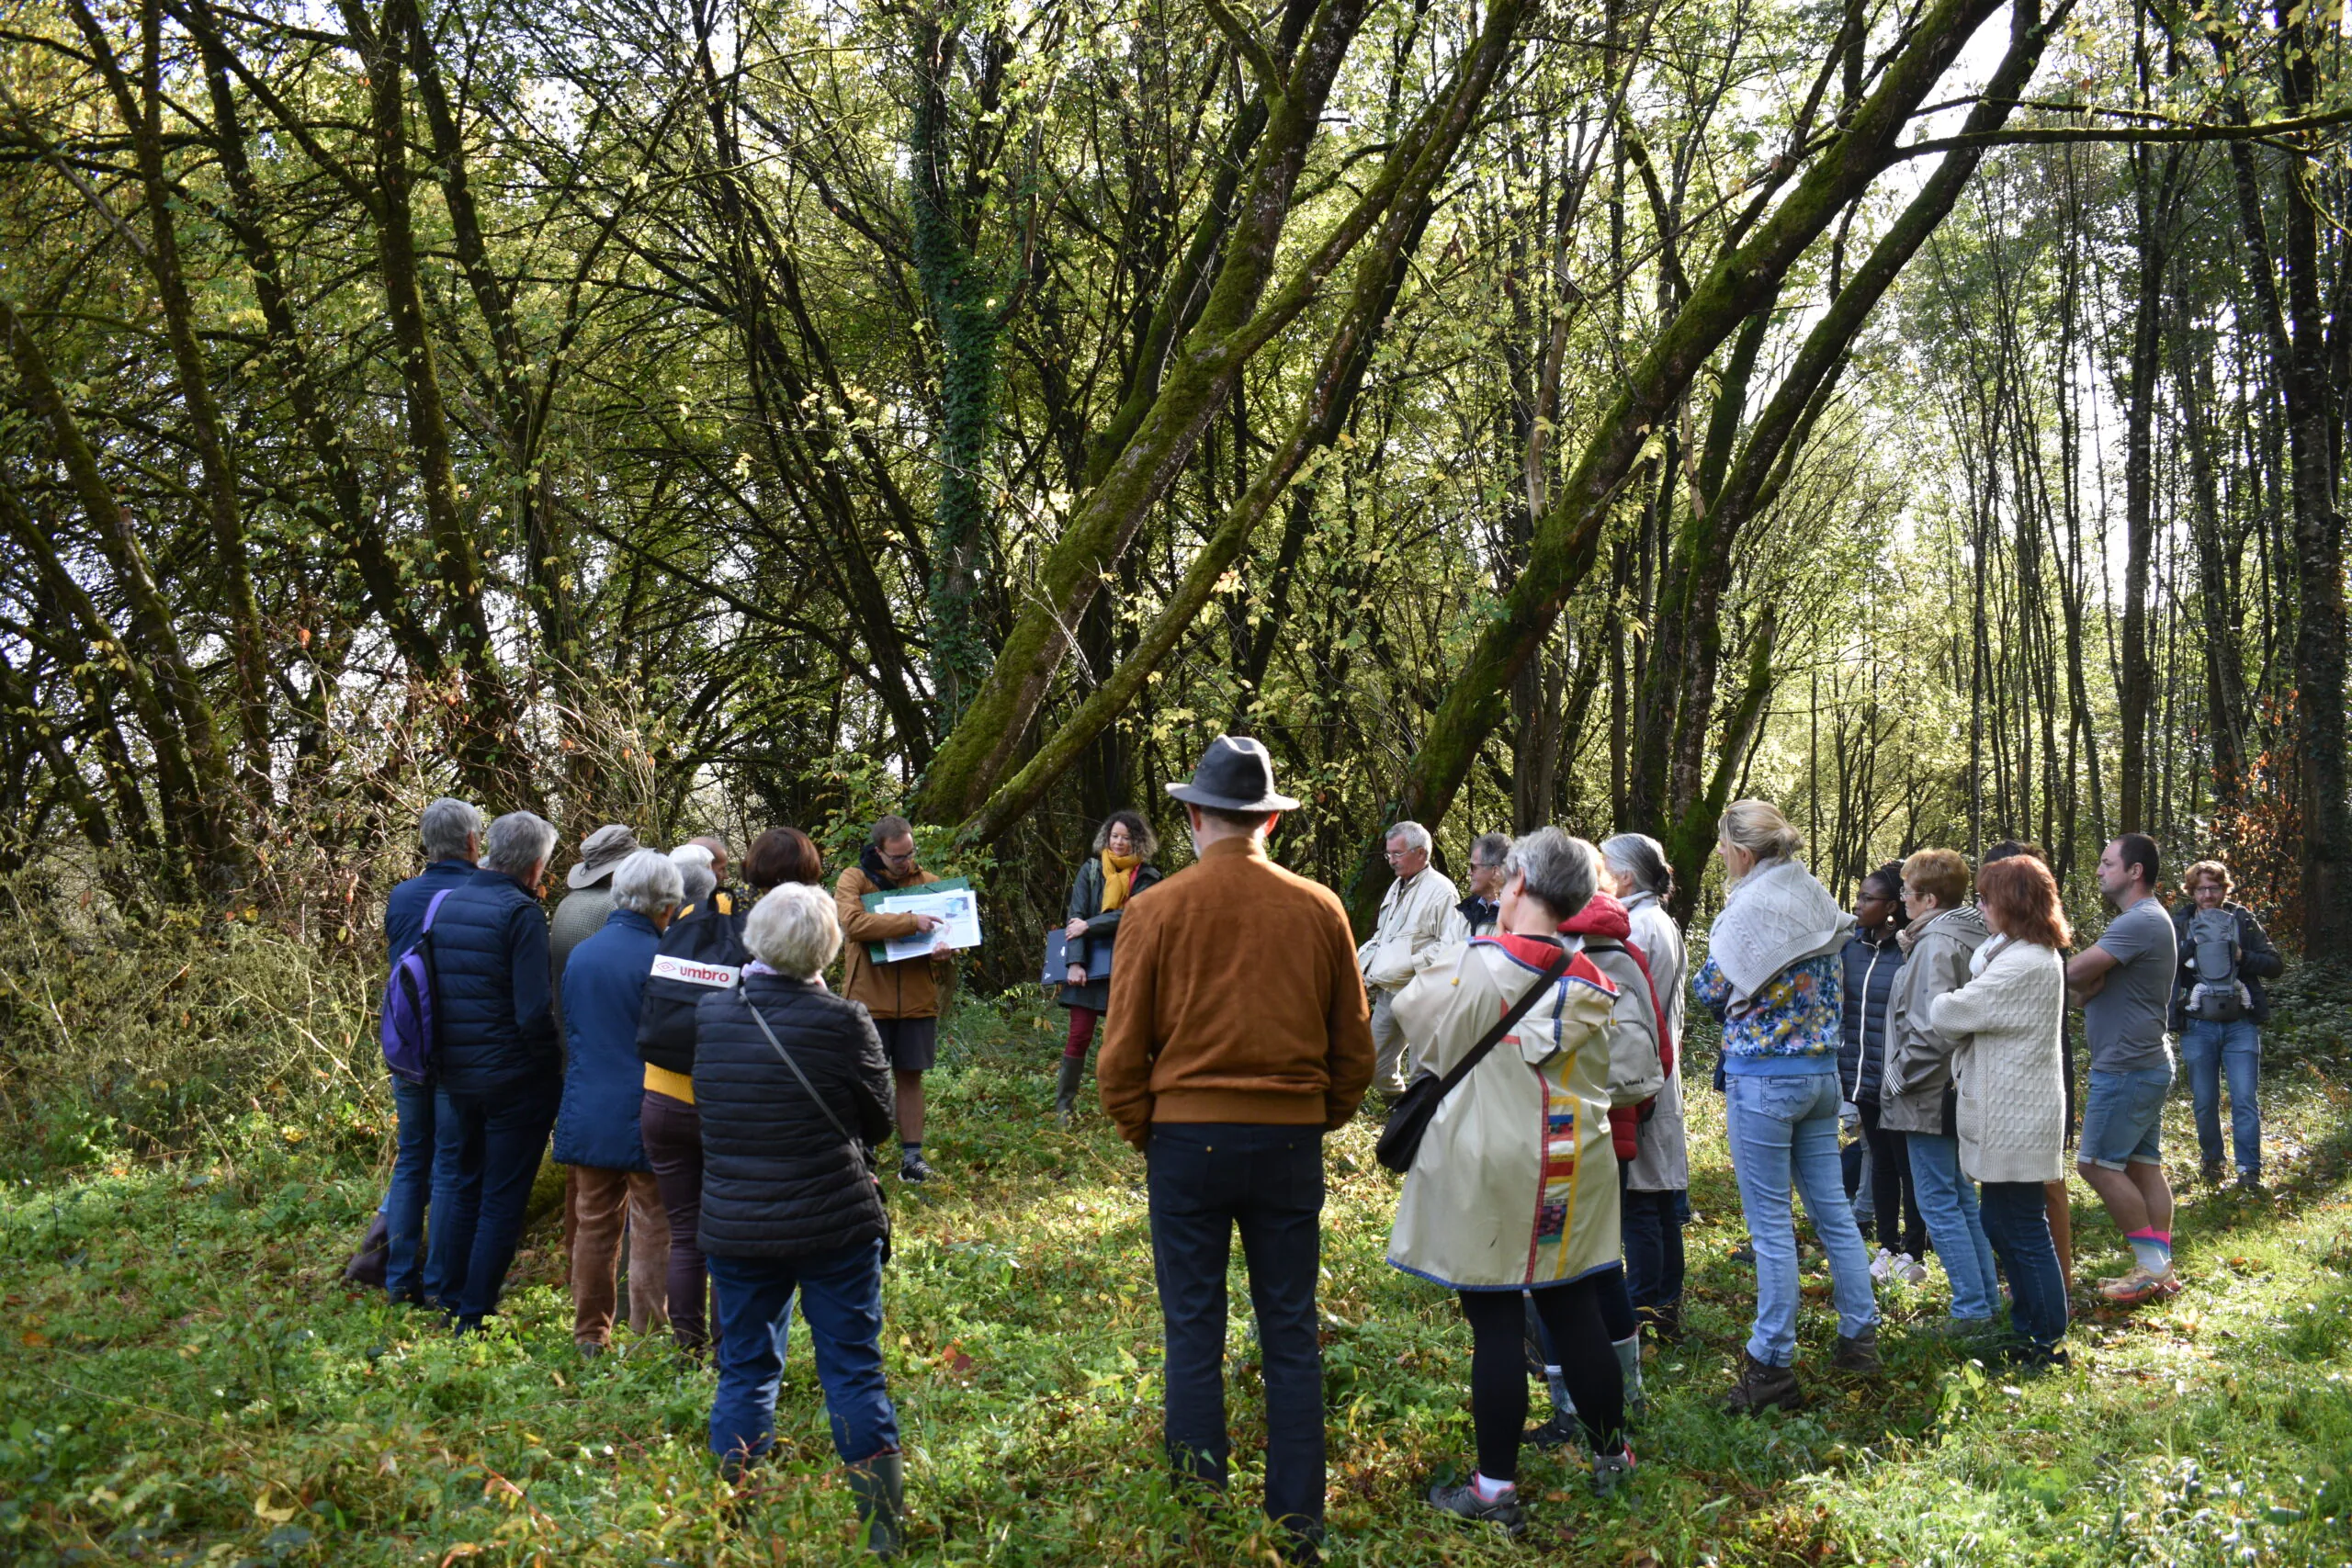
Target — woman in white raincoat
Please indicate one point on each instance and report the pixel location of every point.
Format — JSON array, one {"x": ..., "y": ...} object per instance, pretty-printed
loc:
[{"x": 1514, "y": 1188}]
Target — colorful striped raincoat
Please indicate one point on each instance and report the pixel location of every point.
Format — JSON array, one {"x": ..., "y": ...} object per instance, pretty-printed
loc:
[{"x": 1515, "y": 1184}]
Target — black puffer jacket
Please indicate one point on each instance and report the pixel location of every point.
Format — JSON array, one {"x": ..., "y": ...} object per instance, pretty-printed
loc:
[{"x": 777, "y": 1181}]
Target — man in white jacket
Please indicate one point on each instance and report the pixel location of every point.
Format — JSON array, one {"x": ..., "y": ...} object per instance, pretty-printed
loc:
[{"x": 1413, "y": 916}]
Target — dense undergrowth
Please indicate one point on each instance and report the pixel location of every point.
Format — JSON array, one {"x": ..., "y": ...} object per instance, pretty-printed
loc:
[{"x": 197, "y": 1132}]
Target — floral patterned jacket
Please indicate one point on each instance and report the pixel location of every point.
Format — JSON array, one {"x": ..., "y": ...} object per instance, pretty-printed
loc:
[{"x": 1798, "y": 1016}]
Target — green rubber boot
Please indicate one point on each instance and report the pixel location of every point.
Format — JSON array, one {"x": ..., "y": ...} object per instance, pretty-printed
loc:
[
  {"x": 1066, "y": 1089},
  {"x": 880, "y": 1487}
]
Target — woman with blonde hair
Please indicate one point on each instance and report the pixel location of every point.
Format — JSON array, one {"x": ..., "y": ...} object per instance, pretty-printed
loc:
[
  {"x": 1774, "y": 977},
  {"x": 1513, "y": 1188}
]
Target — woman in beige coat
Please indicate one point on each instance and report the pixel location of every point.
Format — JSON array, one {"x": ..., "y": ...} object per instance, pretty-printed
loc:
[{"x": 1514, "y": 1188}]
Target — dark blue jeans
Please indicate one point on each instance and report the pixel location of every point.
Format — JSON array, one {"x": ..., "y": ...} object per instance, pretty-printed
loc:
[
  {"x": 1651, "y": 1226},
  {"x": 500, "y": 1139},
  {"x": 1207, "y": 1179},
  {"x": 424, "y": 1165},
  {"x": 841, "y": 1297},
  {"x": 2018, "y": 1226}
]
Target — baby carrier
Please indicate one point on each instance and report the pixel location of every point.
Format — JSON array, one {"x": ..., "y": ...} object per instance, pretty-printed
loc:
[{"x": 2218, "y": 997}]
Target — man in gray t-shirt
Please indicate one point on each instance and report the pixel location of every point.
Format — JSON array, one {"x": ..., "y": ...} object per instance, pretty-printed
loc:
[
  {"x": 2124, "y": 1019},
  {"x": 2124, "y": 985}
]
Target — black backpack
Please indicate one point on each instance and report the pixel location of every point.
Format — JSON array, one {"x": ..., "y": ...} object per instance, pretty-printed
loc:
[{"x": 701, "y": 952}]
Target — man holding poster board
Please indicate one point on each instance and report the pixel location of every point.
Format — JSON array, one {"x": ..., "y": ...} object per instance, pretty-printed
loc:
[{"x": 896, "y": 972}]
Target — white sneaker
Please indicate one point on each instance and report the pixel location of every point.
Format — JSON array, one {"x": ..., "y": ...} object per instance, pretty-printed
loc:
[
  {"x": 1909, "y": 1270},
  {"x": 1881, "y": 1264}
]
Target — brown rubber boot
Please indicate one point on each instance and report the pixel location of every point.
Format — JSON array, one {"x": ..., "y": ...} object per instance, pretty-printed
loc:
[{"x": 1762, "y": 1388}]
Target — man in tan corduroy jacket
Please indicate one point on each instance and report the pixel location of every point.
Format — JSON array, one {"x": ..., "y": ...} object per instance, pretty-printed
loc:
[
  {"x": 1238, "y": 1035},
  {"x": 902, "y": 996}
]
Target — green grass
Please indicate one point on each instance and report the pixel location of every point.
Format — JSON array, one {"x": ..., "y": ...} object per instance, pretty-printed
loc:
[{"x": 185, "y": 1379}]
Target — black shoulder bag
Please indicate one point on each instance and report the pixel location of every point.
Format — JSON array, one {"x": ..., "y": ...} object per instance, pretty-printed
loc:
[{"x": 1400, "y": 1140}]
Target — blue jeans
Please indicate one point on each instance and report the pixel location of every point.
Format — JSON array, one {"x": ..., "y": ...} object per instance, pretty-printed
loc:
[
  {"x": 2207, "y": 1051},
  {"x": 1207, "y": 1179},
  {"x": 502, "y": 1138},
  {"x": 1783, "y": 1129},
  {"x": 2123, "y": 1123},
  {"x": 424, "y": 1165},
  {"x": 841, "y": 1297},
  {"x": 1947, "y": 1200},
  {"x": 2019, "y": 1227}
]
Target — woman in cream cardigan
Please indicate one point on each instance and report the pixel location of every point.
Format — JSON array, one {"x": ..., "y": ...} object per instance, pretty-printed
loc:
[
  {"x": 1514, "y": 1188},
  {"x": 2011, "y": 1116}
]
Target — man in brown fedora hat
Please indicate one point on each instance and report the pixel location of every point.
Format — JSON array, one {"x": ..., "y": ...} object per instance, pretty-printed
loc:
[{"x": 1238, "y": 1035}]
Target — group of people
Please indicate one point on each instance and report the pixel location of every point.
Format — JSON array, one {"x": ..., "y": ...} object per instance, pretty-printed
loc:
[
  {"x": 712, "y": 1099},
  {"x": 720, "y": 1105}
]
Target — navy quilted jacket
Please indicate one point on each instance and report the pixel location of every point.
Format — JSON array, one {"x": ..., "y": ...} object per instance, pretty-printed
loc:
[
  {"x": 494, "y": 1004},
  {"x": 1870, "y": 969}
]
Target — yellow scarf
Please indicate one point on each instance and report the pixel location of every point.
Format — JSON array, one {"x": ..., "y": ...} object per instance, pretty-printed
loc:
[{"x": 1118, "y": 875}]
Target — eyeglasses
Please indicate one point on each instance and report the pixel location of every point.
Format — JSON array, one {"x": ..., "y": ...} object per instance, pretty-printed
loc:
[{"x": 1398, "y": 854}]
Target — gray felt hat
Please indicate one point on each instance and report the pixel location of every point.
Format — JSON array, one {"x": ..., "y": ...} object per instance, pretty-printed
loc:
[
  {"x": 601, "y": 854},
  {"x": 1235, "y": 774}
]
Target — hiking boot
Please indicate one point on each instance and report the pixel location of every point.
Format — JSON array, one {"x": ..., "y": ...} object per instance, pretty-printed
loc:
[
  {"x": 1461, "y": 1500},
  {"x": 2210, "y": 1173},
  {"x": 1612, "y": 1470},
  {"x": 2249, "y": 1182},
  {"x": 914, "y": 1167},
  {"x": 1857, "y": 1353},
  {"x": 1957, "y": 1330},
  {"x": 880, "y": 1487},
  {"x": 1558, "y": 1430},
  {"x": 1762, "y": 1388},
  {"x": 2140, "y": 1286},
  {"x": 1066, "y": 1089}
]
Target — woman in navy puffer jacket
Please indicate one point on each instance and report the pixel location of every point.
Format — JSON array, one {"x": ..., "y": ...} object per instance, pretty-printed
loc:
[
  {"x": 1872, "y": 959},
  {"x": 794, "y": 1092}
]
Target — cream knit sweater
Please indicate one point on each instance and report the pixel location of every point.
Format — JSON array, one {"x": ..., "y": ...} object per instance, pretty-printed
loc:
[{"x": 2011, "y": 1118}]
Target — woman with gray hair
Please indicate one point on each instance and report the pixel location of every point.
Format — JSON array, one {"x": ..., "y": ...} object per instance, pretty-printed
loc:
[
  {"x": 1119, "y": 869},
  {"x": 596, "y": 1130},
  {"x": 794, "y": 1092},
  {"x": 1513, "y": 1188},
  {"x": 1657, "y": 1200},
  {"x": 500, "y": 1062}
]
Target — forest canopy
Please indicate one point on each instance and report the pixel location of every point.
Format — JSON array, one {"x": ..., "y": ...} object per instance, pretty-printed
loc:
[{"x": 708, "y": 414}]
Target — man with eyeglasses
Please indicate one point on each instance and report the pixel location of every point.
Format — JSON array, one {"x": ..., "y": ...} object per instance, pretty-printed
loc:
[
  {"x": 1481, "y": 908},
  {"x": 1414, "y": 914},
  {"x": 902, "y": 996}
]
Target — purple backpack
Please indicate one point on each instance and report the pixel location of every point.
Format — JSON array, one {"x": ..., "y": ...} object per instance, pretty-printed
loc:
[{"x": 408, "y": 1032}]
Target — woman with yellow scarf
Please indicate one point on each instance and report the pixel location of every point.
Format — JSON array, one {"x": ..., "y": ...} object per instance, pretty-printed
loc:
[{"x": 1119, "y": 869}]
